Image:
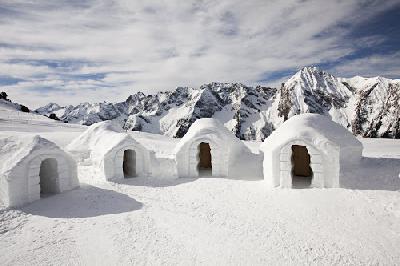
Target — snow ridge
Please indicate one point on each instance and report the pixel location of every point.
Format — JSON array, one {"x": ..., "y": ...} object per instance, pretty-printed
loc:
[{"x": 369, "y": 107}]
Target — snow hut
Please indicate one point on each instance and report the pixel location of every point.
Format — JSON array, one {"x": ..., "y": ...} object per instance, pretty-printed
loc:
[
  {"x": 210, "y": 149},
  {"x": 33, "y": 167},
  {"x": 309, "y": 150},
  {"x": 111, "y": 152}
]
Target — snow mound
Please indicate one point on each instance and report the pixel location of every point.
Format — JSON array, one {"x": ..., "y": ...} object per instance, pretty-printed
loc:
[
  {"x": 13, "y": 149},
  {"x": 22, "y": 157},
  {"x": 99, "y": 138},
  {"x": 205, "y": 127},
  {"x": 332, "y": 150},
  {"x": 314, "y": 128},
  {"x": 102, "y": 146},
  {"x": 228, "y": 154}
]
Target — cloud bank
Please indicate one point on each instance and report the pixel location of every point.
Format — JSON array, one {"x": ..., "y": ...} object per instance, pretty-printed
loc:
[{"x": 75, "y": 51}]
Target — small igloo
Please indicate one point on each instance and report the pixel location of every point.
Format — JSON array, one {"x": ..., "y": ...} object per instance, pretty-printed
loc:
[
  {"x": 309, "y": 150},
  {"x": 210, "y": 149},
  {"x": 33, "y": 167},
  {"x": 110, "y": 152}
]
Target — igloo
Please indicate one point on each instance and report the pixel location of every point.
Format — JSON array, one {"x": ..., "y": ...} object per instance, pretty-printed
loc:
[
  {"x": 33, "y": 167},
  {"x": 210, "y": 149},
  {"x": 309, "y": 150},
  {"x": 110, "y": 152}
]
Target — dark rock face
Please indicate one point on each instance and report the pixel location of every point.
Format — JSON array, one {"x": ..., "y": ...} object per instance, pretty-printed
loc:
[
  {"x": 54, "y": 117},
  {"x": 378, "y": 116},
  {"x": 237, "y": 101},
  {"x": 24, "y": 108},
  {"x": 285, "y": 103},
  {"x": 4, "y": 96},
  {"x": 367, "y": 107}
]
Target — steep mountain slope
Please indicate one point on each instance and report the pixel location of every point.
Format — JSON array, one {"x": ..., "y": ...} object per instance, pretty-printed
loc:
[
  {"x": 314, "y": 91},
  {"x": 377, "y": 107},
  {"x": 172, "y": 113},
  {"x": 367, "y": 106}
]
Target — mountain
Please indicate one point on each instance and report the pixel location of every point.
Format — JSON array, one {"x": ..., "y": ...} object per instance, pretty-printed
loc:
[
  {"x": 369, "y": 107},
  {"x": 84, "y": 113}
]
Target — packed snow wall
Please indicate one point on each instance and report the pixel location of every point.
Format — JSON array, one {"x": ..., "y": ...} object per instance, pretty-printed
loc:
[
  {"x": 32, "y": 167},
  {"x": 229, "y": 156},
  {"x": 104, "y": 147},
  {"x": 332, "y": 149}
]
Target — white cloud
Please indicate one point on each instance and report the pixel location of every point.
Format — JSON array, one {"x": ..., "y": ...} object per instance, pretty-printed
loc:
[
  {"x": 157, "y": 45},
  {"x": 388, "y": 66}
]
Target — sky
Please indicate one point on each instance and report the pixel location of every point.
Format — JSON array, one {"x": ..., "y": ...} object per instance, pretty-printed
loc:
[{"x": 72, "y": 51}]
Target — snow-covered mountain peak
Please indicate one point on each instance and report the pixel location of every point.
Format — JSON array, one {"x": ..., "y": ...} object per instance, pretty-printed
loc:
[
  {"x": 48, "y": 109},
  {"x": 363, "y": 83},
  {"x": 315, "y": 79},
  {"x": 367, "y": 106},
  {"x": 312, "y": 90}
]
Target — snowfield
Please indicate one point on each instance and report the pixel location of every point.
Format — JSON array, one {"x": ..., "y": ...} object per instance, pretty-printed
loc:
[{"x": 205, "y": 221}]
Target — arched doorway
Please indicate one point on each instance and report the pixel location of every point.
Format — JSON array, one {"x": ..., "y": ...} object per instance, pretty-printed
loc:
[
  {"x": 205, "y": 161},
  {"x": 129, "y": 163},
  {"x": 48, "y": 175},
  {"x": 301, "y": 169}
]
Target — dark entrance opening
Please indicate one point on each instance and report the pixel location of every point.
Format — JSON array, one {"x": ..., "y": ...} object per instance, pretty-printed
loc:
[
  {"x": 48, "y": 175},
  {"x": 129, "y": 164},
  {"x": 205, "y": 165},
  {"x": 301, "y": 171}
]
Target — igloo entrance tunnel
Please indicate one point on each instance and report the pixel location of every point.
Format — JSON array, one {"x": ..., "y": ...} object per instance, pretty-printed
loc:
[
  {"x": 309, "y": 150},
  {"x": 110, "y": 152},
  {"x": 48, "y": 176},
  {"x": 205, "y": 162},
  {"x": 129, "y": 163},
  {"x": 301, "y": 169},
  {"x": 33, "y": 167}
]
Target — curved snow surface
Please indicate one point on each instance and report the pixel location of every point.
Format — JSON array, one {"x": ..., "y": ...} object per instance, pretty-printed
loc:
[
  {"x": 332, "y": 150},
  {"x": 314, "y": 127},
  {"x": 212, "y": 221},
  {"x": 206, "y": 221},
  {"x": 21, "y": 158},
  {"x": 209, "y": 221},
  {"x": 230, "y": 157},
  {"x": 13, "y": 149},
  {"x": 102, "y": 146}
]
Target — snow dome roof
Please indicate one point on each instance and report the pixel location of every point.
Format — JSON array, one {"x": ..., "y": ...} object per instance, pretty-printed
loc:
[
  {"x": 207, "y": 127},
  {"x": 313, "y": 128},
  {"x": 14, "y": 148},
  {"x": 100, "y": 138}
]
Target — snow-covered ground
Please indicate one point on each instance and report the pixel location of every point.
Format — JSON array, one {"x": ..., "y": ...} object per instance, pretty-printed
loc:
[
  {"x": 206, "y": 221},
  {"x": 17, "y": 122}
]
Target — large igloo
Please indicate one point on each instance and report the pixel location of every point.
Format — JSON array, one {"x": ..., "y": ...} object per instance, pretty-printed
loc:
[
  {"x": 110, "y": 152},
  {"x": 309, "y": 150},
  {"x": 210, "y": 149},
  {"x": 33, "y": 167}
]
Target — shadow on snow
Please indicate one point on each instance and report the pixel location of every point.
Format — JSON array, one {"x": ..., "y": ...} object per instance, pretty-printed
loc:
[
  {"x": 169, "y": 182},
  {"x": 86, "y": 201},
  {"x": 373, "y": 174},
  {"x": 153, "y": 182}
]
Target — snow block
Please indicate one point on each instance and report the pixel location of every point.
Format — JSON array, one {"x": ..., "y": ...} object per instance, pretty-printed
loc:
[
  {"x": 331, "y": 148},
  {"x": 32, "y": 166},
  {"x": 111, "y": 152},
  {"x": 229, "y": 156}
]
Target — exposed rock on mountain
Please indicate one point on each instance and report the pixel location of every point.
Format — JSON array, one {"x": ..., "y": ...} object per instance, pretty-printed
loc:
[
  {"x": 5, "y": 101},
  {"x": 367, "y": 106}
]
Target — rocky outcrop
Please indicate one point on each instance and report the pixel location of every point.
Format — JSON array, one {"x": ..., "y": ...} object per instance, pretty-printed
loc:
[{"x": 367, "y": 106}]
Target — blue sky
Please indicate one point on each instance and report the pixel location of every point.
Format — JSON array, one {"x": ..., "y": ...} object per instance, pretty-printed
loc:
[{"x": 77, "y": 51}]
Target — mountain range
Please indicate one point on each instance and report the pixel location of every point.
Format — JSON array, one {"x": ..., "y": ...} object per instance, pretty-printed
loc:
[{"x": 369, "y": 107}]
